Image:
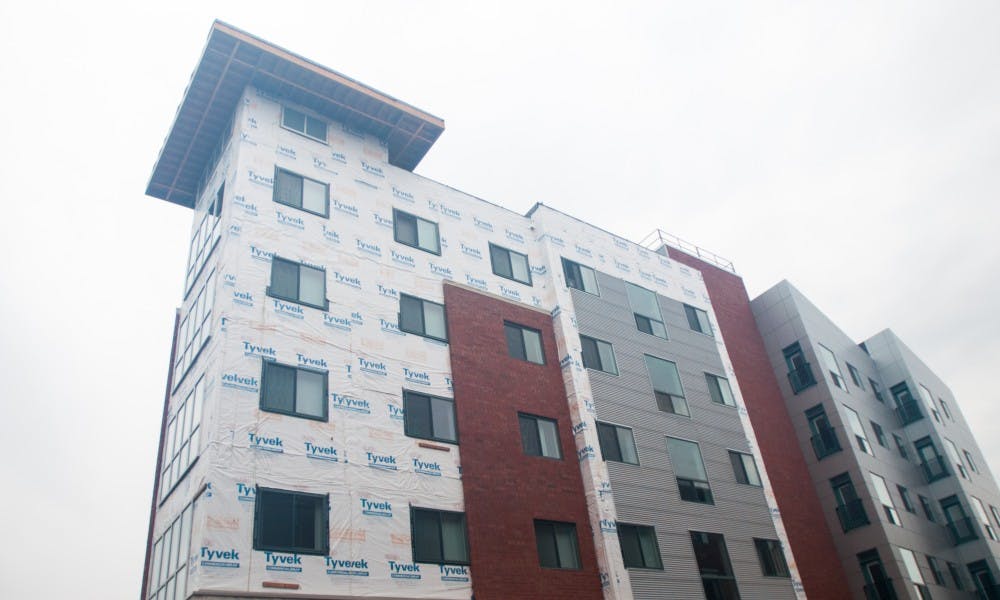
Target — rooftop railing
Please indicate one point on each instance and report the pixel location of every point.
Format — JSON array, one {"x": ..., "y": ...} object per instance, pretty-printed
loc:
[{"x": 656, "y": 240}]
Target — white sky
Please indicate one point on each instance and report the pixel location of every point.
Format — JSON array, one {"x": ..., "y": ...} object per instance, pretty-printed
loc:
[{"x": 851, "y": 147}]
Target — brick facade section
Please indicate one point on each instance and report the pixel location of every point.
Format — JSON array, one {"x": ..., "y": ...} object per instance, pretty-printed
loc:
[
  {"x": 808, "y": 533},
  {"x": 506, "y": 490}
]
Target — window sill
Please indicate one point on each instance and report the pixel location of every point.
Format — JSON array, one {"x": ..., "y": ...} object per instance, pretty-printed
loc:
[
  {"x": 425, "y": 336},
  {"x": 415, "y": 247},
  {"x": 306, "y": 210},
  {"x": 527, "y": 283},
  {"x": 324, "y": 418},
  {"x": 324, "y": 308}
]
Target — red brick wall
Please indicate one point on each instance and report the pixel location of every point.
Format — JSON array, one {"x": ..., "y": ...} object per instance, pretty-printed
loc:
[
  {"x": 505, "y": 490},
  {"x": 812, "y": 543}
]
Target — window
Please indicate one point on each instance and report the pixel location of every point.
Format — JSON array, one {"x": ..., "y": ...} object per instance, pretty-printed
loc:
[
  {"x": 859, "y": 431},
  {"x": 580, "y": 277},
  {"x": 982, "y": 579},
  {"x": 639, "y": 547},
  {"x": 698, "y": 320},
  {"x": 286, "y": 521},
  {"x": 713, "y": 564},
  {"x": 599, "y": 355},
  {"x": 826, "y": 355},
  {"x": 772, "y": 559},
  {"x": 824, "y": 437},
  {"x": 879, "y": 434},
  {"x": 301, "y": 193},
  {"x": 882, "y": 492},
  {"x": 984, "y": 520},
  {"x": 205, "y": 237},
  {"x": 952, "y": 451},
  {"x": 878, "y": 586},
  {"x": 906, "y": 407},
  {"x": 510, "y": 264},
  {"x": 800, "y": 373},
  {"x": 850, "y": 510},
  {"x": 913, "y": 572},
  {"x": 928, "y": 508},
  {"x": 438, "y": 537},
  {"x": 925, "y": 395},
  {"x": 855, "y": 376},
  {"x": 539, "y": 436},
  {"x": 646, "y": 310},
  {"x": 901, "y": 446},
  {"x": 416, "y": 232},
  {"x": 429, "y": 417},
  {"x": 958, "y": 523},
  {"x": 877, "y": 389},
  {"x": 956, "y": 576},
  {"x": 617, "y": 443},
  {"x": 719, "y": 390},
  {"x": 931, "y": 463},
  {"x": 296, "y": 391},
  {"x": 195, "y": 330},
  {"x": 303, "y": 123},
  {"x": 968, "y": 459},
  {"x": 944, "y": 408},
  {"x": 524, "y": 343},
  {"x": 168, "y": 571},
  {"x": 904, "y": 495},
  {"x": 183, "y": 433},
  {"x": 299, "y": 283},
  {"x": 996, "y": 514},
  {"x": 667, "y": 387},
  {"x": 557, "y": 546},
  {"x": 745, "y": 468},
  {"x": 422, "y": 317},
  {"x": 692, "y": 480},
  {"x": 936, "y": 570}
]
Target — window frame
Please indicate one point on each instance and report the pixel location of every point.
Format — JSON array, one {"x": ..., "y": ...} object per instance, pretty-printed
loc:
[
  {"x": 183, "y": 446},
  {"x": 904, "y": 495},
  {"x": 597, "y": 347},
  {"x": 838, "y": 375},
  {"x": 259, "y": 544},
  {"x": 671, "y": 397},
  {"x": 879, "y": 434},
  {"x": 301, "y": 206},
  {"x": 177, "y": 539},
  {"x": 773, "y": 550},
  {"x": 656, "y": 564},
  {"x": 856, "y": 378},
  {"x": 716, "y": 391},
  {"x": 618, "y": 441},
  {"x": 629, "y": 287},
  {"x": 524, "y": 346},
  {"x": 698, "y": 313},
  {"x": 555, "y": 525},
  {"x": 423, "y": 319},
  {"x": 414, "y": 510},
  {"x": 567, "y": 263},
  {"x": 535, "y": 419},
  {"x": 742, "y": 475},
  {"x": 416, "y": 224},
  {"x": 267, "y": 363},
  {"x": 510, "y": 263},
  {"x": 408, "y": 431},
  {"x": 305, "y": 124},
  {"x": 728, "y": 575},
  {"x": 689, "y": 484},
  {"x": 326, "y": 301}
]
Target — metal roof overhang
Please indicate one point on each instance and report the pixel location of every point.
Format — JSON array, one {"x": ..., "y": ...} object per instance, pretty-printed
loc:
[{"x": 234, "y": 59}]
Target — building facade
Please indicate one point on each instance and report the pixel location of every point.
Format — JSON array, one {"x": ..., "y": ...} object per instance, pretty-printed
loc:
[{"x": 383, "y": 387}]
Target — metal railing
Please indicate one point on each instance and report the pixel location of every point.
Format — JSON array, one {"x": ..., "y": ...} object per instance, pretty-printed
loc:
[
  {"x": 825, "y": 443},
  {"x": 935, "y": 469},
  {"x": 852, "y": 515},
  {"x": 801, "y": 377},
  {"x": 962, "y": 531},
  {"x": 656, "y": 240},
  {"x": 908, "y": 412},
  {"x": 880, "y": 591}
]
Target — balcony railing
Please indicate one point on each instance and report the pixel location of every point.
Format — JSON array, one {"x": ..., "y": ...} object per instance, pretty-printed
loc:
[
  {"x": 852, "y": 515},
  {"x": 962, "y": 531},
  {"x": 801, "y": 377},
  {"x": 908, "y": 412},
  {"x": 880, "y": 591},
  {"x": 935, "y": 469},
  {"x": 825, "y": 443}
]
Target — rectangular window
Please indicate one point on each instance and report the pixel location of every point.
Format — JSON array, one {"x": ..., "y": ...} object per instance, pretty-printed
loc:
[
  {"x": 932, "y": 464},
  {"x": 698, "y": 320},
  {"x": 617, "y": 443},
  {"x": 438, "y": 537},
  {"x": 719, "y": 390},
  {"x": 598, "y": 354},
  {"x": 716, "y": 571},
  {"x": 204, "y": 239},
  {"x": 936, "y": 570},
  {"x": 901, "y": 446},
  {"x": 301, "y": 192},
  {"x": 826, "y": 355},
  {"x": 168, "y": 571},
  {"x": 855, "y": 376},
  {"x": 557, "y": 545},
  {"x": 956, "y": 576},
  {"x": 416, "y": 232},
  {"x": 745, "y": 468},
  {"x": 646, "y": 310},
  {"x": 195, "y": 330},
  {"x": 877, "y": 389},
  {"x": 859, "y": 431},
  {"x": 297, "y": 282},
  {"x": 952, "y": 451},
  {"x": 307, "y": 125},
  {"x": 181, "y": 444},
  {"x": 879, "y": 434},
  {"x": 692, "y": 480},
  {"x": 944, "y": 408},
  {"x": 984, "y": 520},
  {"x": 800, "y": 374},
  {"x": 910, "y": 563},
  {"x": 667, "y": 387},
  {"x": 928, "y": 508},
  {"x": 772, "y": 559},
  {"x": 928, "y": 399},
  {"x": 639, "y": 547},
  {"x": 539, "y": 436},
  {"x": 996, "y": 514},
  {"x": 580, "y": 277},
  {"x": 295, "y": 391},
  {"x": 422, "y": 317},
  {"x": 882, "y": 492},
  {"x": 823, "y": 435},
  {"x": 285, "y": 521},
  {"x": 524, "y": 343},
  {"x": 429, "y": 417},
  {"x": 510, "y": 264},
  {"x": 907, "y": 408},
  {"x": 904, "y": 495},
  {"x": 850, "y": 509},
  {"x": 968, "y": 460}
]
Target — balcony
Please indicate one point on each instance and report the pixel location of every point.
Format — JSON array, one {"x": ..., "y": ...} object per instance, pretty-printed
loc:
[
  {"x": 962, "y": 531},
  {"x": 825, "y": 443},
  {"x": 908, "y": 412},
  {"x": 852, "y": 515},
  {"x": 935, "y": 469},
  {"x": 880, "y": 591},
  {"x": 801, "y": 377}
]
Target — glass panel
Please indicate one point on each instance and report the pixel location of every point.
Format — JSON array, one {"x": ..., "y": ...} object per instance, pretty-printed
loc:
[
  {"x": 427, "y": 233},
  {"x": 417, "y": 412},
  {"x": 530, "y": 442},
  {"x": 312, "y": 286},
  {"x": 910, "y": 562},
  {"x": 434, "y": 323},
  {"x": 686, "y": 459},
  {"x": 279, "y": 386},
  {"x": 643, "y": 301},
  {"x": 185, "y": 522},
  {"x": 314, "y": 196},
  {"x": 627, "y": 445},
  {"x": 309, "y": 393},
  {"x": 591, "y": 357},
  {"x": 406, "y": 228},
  {"x": 316, "y": 128},
  {"x": 658, "y": 329},
  {"x": 515, "y": 341},
  {"x": 453, "y": 538},
  {"x": 275, "y": 519},
  {"x": 533, "y": 346},
  {"x": 650, "y": 549},
  {"x": 426, "y": 536},
  {"x": 293, "y": 119},
  {"x": 829, "y": 359},
  {"x": 607, "y": 357},
  {"x": 519, "y": 266},
  {"x": 628, "y": 536},
  {"x": 500, "y": 258},
  {"x": 566, "y": 546},
  {"x": 609, "y": 442},
  {"x": 169, "y": 590},
  {"x": 753, "y": 478},
  {"x": 545, "y": 538},
  {"x": 589, "y": 280},
  {"x": 881, "y": 490},
  {"x": 549, "y": 438},
  {"x": 168, "y": 554},
  {"x": 154, "y": 571},
  {"x": 855, "y": 422},
  {"x": 288, "y": 188},
  {"x": 443, "y": 417},
  {"x": 304, "y": 524},
  {"x": 664, "y": 376},
  {"x": 710, "y": 552},
  {"x": 284, "y": 279},
  {"x": 181, "y": 585},
  {"x": 411, "y": 314}
]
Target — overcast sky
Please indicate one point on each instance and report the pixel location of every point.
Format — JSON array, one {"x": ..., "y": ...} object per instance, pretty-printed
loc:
[{"x": 850, "y": 147}]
